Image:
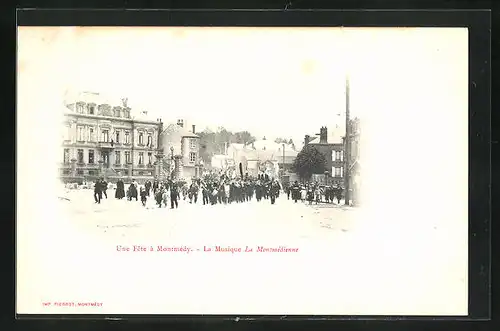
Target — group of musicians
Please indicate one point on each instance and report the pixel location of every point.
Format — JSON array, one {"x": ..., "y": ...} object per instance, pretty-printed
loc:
[{"x": 218, "y": 190}]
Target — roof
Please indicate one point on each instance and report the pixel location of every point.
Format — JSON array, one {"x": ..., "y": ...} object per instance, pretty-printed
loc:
[
  {"x": 171, "y": 128},
  {"x": 333, "y": 136},
  {"x": 271, "y": 145}
]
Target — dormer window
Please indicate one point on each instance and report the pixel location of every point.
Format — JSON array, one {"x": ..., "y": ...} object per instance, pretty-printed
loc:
[{"x": 91, "y": 109}]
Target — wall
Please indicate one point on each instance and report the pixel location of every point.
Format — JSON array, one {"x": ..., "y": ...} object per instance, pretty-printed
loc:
[{"x": 72, "y": 141}]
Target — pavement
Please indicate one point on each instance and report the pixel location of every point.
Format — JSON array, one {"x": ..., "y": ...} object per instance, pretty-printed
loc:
[{"x": 250, "y": 220}]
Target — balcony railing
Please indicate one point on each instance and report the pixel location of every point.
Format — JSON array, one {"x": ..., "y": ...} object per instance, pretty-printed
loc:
[{"x": 105, "y": 144}]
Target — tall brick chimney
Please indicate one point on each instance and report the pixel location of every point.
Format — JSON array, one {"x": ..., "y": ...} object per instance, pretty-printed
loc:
[
  {"x": 323, "y": 135},
  {"x": 194, "y": 128}
]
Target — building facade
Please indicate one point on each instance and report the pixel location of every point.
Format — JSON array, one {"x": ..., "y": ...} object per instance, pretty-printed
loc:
[
  {"x": 332, "y": 148},
  {"x": 101, "y": 139},
  {"x": 181, "y": 149}
]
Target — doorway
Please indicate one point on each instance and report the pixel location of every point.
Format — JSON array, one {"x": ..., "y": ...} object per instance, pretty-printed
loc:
[{"x": 105, "y": 159}]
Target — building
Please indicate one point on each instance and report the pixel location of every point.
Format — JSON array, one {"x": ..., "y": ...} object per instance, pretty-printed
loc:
[
  {"x": 263, "y": 157},
  {"x": 332, "y": 147},
  {"x": 101, "y": 138},
  {"x": 181, "y": 148},
  {"x": 221, "y": 161}
]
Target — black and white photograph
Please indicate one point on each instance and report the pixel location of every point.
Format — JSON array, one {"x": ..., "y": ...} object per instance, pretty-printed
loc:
[{"x": 245, "y": 170}]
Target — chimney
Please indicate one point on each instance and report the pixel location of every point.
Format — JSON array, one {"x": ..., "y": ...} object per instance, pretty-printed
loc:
[
  {"x": 307, "y": 138},
  {"x": 323, "y": 135},
  {"x": 194, "y": 128},
  {"x": 180, "y": 123}
]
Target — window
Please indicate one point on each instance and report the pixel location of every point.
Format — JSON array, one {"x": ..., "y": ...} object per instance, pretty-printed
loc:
[
  {"x": 141, "y": 138},
  {"x": 105, "y": 136},
  {"x": 338, "y": 172},
  {"x": 127, "y": 157},
  {"x": 141, "y": 157},
  {"x": 339, "y": 156},
  {"x": 79, "y": 108},
  {"x": 192, "y": 157},
  {"x": 127, "y": 137},
  {"x": 91, "y": 134},
  {"x": 80, "y": 172},
  {"x": 66, "y": 155},
  {"x": 126, "y": 113},
  {"x": 91, "y": 109},
  {"x": 150, "y": 140},
  {"x": 80, "y": 156},
  {"x": 91, "y": 156},
  {"x": 192, "y": 143},
  {"x": 117, "y": 138},
  {"x": 117, "y": 112},
  {"x": 117, "y": 157},
  {"x": 150, "y": 158},
  {"x": 81, "y": 133}
]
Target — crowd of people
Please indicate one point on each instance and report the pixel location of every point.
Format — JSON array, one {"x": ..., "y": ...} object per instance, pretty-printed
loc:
[
  {"x": 221, "y": 190},
  {"x": 218, "y": 190},
  {"x": 314, "y": 192}
]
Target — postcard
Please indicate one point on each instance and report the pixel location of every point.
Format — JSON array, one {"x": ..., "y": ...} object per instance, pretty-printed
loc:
[{"x": 240, "y": 171}]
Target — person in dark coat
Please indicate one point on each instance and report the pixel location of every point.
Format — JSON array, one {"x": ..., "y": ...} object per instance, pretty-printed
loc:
[
  {"x": 147, "y": 187},
  {"x": 97, "y": 191},
  {"x": 295, "y": 190},
  {"x": 104, "y": 187},
  {"x": 144, "y": 195},
  {"x": 174, "y": 195},
  {"x": 120, "y": 189},
  {"x": 193, "y": 192},
  {"x": 156, "y": 185},
  {"x": 205, "y": 191},
  {"x": 274, "y": 189},
  {"x": 132, "y": 192}
]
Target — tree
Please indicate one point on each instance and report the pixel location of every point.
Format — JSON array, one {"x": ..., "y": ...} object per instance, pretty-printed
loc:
[
  {"x": 244, "y": 137},
  {"x": 281, "y": 141},
  {"x": 212, "y": 143},
  {"x": 309, "y": 161}
]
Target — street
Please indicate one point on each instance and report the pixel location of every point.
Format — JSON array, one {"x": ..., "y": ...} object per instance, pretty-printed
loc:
[{"x": 285, "y": 221}]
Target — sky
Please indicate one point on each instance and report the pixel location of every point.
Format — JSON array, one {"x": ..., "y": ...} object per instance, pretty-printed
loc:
[{"x": 273, "y": 82}]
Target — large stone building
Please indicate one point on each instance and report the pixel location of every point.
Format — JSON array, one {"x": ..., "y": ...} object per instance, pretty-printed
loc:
[
  {"x": 332, "y": 147},
  {"x": 101, "y": 138},
  {"x": 181, "y": 149}
]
